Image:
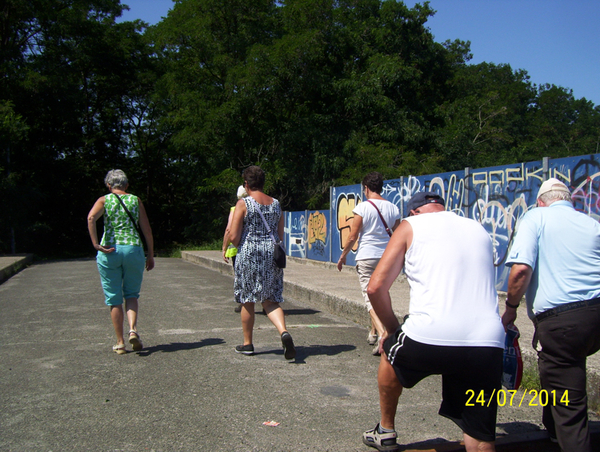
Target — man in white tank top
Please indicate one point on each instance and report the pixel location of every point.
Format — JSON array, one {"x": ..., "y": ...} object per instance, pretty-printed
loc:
[{"x": 453, "y": 328}]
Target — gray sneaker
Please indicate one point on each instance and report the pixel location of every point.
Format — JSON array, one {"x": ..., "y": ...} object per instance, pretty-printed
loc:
[
  {"x": 245, "y": 349},
  {"x": 381, "y": 441}
]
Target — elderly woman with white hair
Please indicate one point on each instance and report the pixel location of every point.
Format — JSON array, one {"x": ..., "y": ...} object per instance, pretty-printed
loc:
[{"x": 120, "y": 257}]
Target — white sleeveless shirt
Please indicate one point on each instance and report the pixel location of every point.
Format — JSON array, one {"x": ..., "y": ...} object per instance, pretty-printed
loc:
[
  {"x": 450, "y": 269},
  {"x": 373, "y": 237}
]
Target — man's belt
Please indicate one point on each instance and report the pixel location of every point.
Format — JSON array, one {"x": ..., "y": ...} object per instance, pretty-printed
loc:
[{"x": 567, "y": 307}]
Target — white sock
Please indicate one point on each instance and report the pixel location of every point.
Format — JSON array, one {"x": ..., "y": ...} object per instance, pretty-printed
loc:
[{"x": 384, "y": 430}]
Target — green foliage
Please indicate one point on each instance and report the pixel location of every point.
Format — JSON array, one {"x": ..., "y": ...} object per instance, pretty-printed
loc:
[
  {"x": 562, "y": 126},
  {"x": 214, "y": 245},
  {"x": 316, "y": 92},
  {"x": 391, "y": 162},
  {"x": 485, "y": 117},
  {"x": 531, "y": 374},
  {"x": 74, "y": 68},
  {"x": 12, "y": 127},
  {"x": 531, "y": 381}
]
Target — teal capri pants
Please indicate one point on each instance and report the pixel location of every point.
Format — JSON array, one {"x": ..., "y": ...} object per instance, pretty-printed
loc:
[{"x": 121, "y": 273}]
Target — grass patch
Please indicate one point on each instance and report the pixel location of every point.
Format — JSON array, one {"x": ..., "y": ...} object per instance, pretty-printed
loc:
[
  {"x": 208, "y": 246},
  {"x": 531, "y": 376},
  {"x": 593, "y": 392},
  {"x": 531, "y": 380}
]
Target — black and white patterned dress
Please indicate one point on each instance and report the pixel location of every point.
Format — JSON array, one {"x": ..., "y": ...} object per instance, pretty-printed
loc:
[{"x": 257, "y": 277}]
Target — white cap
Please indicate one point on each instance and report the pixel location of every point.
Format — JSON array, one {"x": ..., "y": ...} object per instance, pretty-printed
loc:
[
  {"x": 552, "y": 184},
  {"x": 241, "y": 193}
]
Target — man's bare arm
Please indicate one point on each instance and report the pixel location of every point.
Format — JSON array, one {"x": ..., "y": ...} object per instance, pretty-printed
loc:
[
  {"x": 385, "y": 274},
  {"x": 518, "y": 281}
]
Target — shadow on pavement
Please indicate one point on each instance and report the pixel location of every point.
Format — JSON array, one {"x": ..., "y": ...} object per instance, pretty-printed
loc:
[
  {"x": 179, "y": 346},
  {"x": 519, "y": 440},
  {"x": 442, "y": 445},
  {"x": 313, "y": 350},
  {"x": 515, "y": 428},
  {"x": 434, "y": 445},
  {"x": 300, "y": 311}
]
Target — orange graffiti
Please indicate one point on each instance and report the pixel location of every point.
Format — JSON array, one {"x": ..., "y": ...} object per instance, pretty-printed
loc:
[
  {"x": 317, "y": 228},
  {"x": 345, "y": 217}
]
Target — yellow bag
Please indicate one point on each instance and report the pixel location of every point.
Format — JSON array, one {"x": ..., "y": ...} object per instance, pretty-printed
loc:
[{"x": 231, "y": 251}]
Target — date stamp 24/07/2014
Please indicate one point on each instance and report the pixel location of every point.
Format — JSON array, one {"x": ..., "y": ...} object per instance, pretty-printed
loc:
[{"x": 507, "y": 397}]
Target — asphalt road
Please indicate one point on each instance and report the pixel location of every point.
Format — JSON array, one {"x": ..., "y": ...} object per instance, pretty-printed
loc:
[{"x": 63, "y": 389}]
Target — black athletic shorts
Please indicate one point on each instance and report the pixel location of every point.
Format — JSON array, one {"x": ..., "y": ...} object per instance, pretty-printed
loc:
[{"x": 470, "y": 375}]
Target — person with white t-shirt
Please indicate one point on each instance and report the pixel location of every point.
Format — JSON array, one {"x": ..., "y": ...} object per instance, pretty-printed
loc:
[
  {"x": 373, "y": 223},
  {"x": 453, "y": 328}
]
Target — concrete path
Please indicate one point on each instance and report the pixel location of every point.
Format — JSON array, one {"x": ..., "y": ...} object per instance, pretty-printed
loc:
[
  {"x": 9, "y": 265},
  {"x": 321, "y": 285},
  {"x": 62, "y": 388}
]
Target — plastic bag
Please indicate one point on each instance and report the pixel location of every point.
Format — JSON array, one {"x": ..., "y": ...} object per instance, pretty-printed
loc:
[{"x": 512, "y": 361}]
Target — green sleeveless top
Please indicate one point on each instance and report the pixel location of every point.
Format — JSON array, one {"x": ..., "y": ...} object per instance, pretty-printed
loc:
[{"x": 118, "y": 228}]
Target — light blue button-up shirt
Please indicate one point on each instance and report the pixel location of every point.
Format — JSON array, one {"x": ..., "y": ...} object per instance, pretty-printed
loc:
[{"x": 562, "y": 246}]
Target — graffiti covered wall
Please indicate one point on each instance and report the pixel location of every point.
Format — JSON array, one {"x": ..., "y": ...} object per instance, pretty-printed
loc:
[
  {"x": 317, "y": 240},
  {"x": 343, "y": 201},
  {"x": 496, "y": 197},
  {"x": 295, "y": 233}
]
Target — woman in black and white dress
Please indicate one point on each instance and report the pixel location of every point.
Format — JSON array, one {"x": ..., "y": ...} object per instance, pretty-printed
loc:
[{"x": 257, "y": 277}]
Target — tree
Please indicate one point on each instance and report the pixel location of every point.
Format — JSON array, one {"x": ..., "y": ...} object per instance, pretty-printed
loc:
[
  {"x": 317, "y": 92},
  {"x": 72, "y": 68},
  {"x": 560, "y": 125},
  {"x": 324, "y": 83},
  {"x": 485, "y": 117},
  {"x": 12, "y": 131}
]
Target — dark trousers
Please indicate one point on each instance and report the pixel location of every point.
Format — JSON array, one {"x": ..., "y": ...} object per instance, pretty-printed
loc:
[{"x": 567, "y": 339}]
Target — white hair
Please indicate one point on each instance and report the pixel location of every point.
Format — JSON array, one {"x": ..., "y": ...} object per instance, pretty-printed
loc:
[
  {"x": 116, "y": 178},
  {"x": 555, "y": 195},
  {"x": 241, "y": 192}
]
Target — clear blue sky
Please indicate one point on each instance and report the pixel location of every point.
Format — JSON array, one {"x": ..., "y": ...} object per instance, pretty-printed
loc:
[{"x": 555, "y": 41}]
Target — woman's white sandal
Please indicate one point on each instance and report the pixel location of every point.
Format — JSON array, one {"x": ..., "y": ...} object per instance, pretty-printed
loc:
[
  {"x": 119, "y": 349},
  {"x": 134, "y": 340},
  {"x": 372, "y": 338}
]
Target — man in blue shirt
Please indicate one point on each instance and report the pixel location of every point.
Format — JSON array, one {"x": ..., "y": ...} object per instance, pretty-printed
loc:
[{"x": 555, "y": 262}]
